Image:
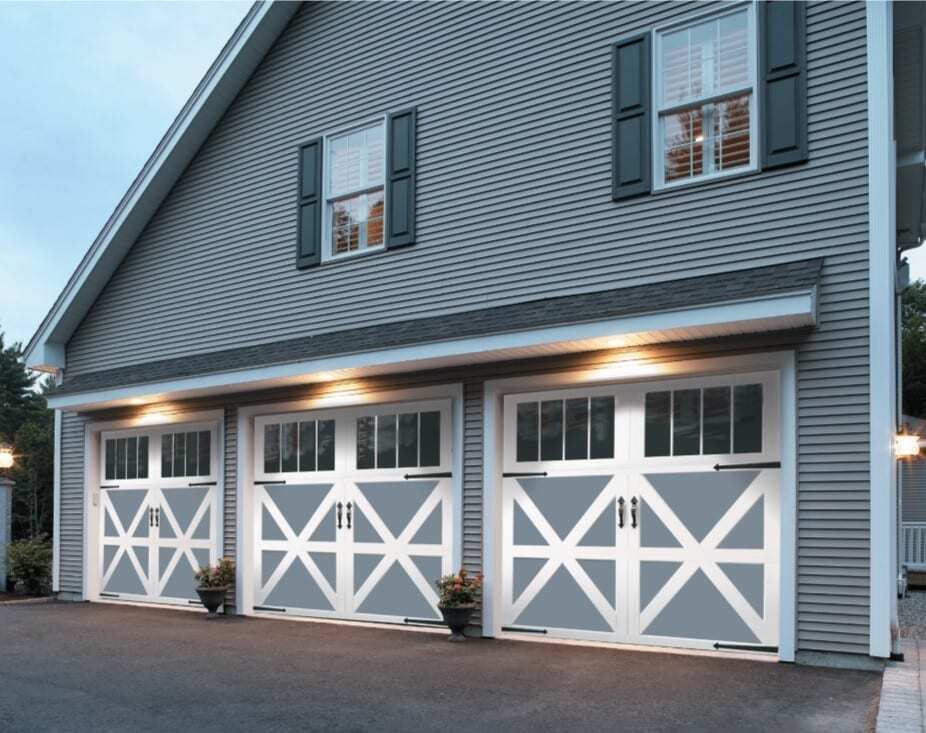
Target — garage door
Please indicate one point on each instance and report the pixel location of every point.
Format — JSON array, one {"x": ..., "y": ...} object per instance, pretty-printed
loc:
[
  {"x": 644, "y": 514},
  {"x": 158, "y": 512},
  {"x": 354, "y": 512}
]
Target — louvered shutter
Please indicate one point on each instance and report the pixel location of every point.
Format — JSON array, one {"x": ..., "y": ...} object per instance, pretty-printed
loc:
[
  {"x": 783, "y": 82},
  {"x": 309, "y": 222}
]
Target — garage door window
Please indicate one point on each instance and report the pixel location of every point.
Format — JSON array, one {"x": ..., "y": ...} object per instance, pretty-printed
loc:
[
  {"x": 186, "y": 454},
  {"x": 690, "y": 422},
  {"x": 127, "y": 458},
  {"x": 303, "y": 446},
  {"x": 406, "y": 440},
  {"x": 571, "y": 429}
]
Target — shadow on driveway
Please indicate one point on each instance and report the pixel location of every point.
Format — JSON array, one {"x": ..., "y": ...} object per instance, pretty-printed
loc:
[{"x": 104, "y": 667}]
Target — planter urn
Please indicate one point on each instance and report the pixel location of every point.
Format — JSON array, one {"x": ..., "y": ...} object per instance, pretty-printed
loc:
[
  {"x": 456, "y": 618},
  {"x": 212, "y": 598}
]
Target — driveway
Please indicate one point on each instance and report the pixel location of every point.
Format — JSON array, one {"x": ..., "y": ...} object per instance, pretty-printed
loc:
[{"x": 110, "y": 668}]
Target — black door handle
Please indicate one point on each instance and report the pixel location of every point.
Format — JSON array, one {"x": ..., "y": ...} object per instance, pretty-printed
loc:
[
  {"x": 348, "y": 514},
  {"x": 620, "y": 513},
  {"x": 150, "y": 516},
  {"x": 633, "y": 512},
  {"x": 157, "y": 516},
  {"x": 340, "y": 508}
]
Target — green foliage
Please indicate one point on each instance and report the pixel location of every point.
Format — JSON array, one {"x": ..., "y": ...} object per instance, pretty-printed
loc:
[
  {"x": 29, "y": 563},
  {"x": 217, "y": 576},
  {"x": 28, "y": 425},
  {"x": 913, "y": 314},
  {"x": 460, "y": 589}
]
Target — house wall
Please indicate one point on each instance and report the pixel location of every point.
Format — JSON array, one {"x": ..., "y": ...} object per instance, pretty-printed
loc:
[
  {"x": 513, "y": 203},
  {"x": 472, "y": 379}
]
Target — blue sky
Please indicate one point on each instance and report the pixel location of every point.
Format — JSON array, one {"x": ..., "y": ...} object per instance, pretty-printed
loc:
[{"x": 88, "y": 90}]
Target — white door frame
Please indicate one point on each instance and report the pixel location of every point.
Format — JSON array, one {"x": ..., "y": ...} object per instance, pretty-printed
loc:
[
  {"x": 154, "y": 420},
  {"x": 630, "y": 372},
  {"x": 337, "y": 398}
]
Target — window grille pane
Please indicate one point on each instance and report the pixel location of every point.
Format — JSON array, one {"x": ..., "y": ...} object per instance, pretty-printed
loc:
[
  {"x": 408, "y": 440},
  {"x": 289, "y": 445},
  {"x": 205, "y": 453},
  {"x": 601, "y": 442},
  {"x": 271, "y": 449},
  {"x": 110, "y": 460},
  {"x": 143, "y": 456},
  {"x": 326, "y": 443},
  {"x": 120, "y": 458},
  {"x": 683, "y": 143},
  {"x": 430, "y": 438},
  {"x": 192, "y": 451},
  {"x": 747, "y": 418},
  {"x": 731, "y": 68},
  {"x": 366, "y": 442},
  {"x": 577, "y": 429},
  {"x": 528, "y": 431},
  {"x": 375, "y": 155},
  {"x": 307, "y": 446},
  {"x": 375, "y": 209},
  {"x": 657, "y": 424},
  {"x": 385, "y": 441},
  {"x": 731, "y": 133},
  {"x": 179, "y": 454},
  {"x": 717, "y": 420},
  {"x": 167, "y": 456},
  {"x": 131, "y": 458},
  {"x": 551, "y": 430},
  {"x": 686, "y": 422}
]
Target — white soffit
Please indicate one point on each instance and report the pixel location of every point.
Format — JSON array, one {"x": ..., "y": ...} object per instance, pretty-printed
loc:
[{"x": 761, "y": 315}]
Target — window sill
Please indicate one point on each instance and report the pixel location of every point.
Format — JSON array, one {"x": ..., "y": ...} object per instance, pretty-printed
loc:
[
  {"x": 354, "y": 256},
  {"x": 707, "y": 180}
]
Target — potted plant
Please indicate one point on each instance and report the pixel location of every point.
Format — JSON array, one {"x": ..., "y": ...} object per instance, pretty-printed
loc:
[
  {"x": 214, "y": 582},
  {"x": 457, "y": 601}
]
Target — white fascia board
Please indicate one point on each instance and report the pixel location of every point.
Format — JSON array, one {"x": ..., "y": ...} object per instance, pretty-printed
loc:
[
  {"x": 881, "y": 327},
  {"x": 749, "y": 316},
  {"x": 209, "y": 101}
]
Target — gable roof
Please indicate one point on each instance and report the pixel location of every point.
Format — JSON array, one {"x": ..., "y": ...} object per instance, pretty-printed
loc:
[{"x": 238, "y": 59}]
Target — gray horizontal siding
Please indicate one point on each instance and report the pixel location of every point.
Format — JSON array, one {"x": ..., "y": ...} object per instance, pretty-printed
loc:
[
  {"x": 514, "y": 203},
  {"x": 71, "y": 530}
]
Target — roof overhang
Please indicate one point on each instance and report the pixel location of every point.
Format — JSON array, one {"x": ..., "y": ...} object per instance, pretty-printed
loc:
[
  {"x": 225, "y": 78},
  {"x": 776, "y": 312}
]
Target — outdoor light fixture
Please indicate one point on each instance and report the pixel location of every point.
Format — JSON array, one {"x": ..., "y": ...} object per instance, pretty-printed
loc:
[
  {"x": 6, "y": 456},
  {"x": 906, "y": 446}
]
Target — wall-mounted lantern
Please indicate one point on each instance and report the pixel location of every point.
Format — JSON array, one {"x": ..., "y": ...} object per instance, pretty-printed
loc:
[
  {"x": 906, "y": 446},
  {"x": 6, "y": 456}
]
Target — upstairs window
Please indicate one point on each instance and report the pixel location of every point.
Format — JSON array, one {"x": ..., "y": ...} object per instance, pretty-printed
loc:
[
  {"x": 355, "y": 165},
  {"x": 705, "y": 82}
]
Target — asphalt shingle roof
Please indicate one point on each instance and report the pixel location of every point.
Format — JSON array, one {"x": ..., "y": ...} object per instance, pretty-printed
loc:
[{"x": 546, "y": 312}]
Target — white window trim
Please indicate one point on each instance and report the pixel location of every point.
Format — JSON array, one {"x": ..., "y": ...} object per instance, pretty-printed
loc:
[
  {"x": 328, "y": 254},
  {"x": 659, "y": 183}
]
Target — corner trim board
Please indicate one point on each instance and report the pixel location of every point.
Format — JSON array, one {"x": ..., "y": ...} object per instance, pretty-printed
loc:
[{"x": 882, "y": 373}]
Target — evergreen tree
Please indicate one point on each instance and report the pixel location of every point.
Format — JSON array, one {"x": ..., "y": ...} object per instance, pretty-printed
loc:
[
  {"x": 28, "y": 425},
  {"x": 913, "y": 370}
]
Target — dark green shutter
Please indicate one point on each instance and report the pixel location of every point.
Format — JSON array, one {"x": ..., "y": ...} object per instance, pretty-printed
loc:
[
  {"x": 309, "y": 224},
  {"x": 783, "y": 82},
  {"x": 631, "y": 105},
  {"x": 400, "y": 178}
]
